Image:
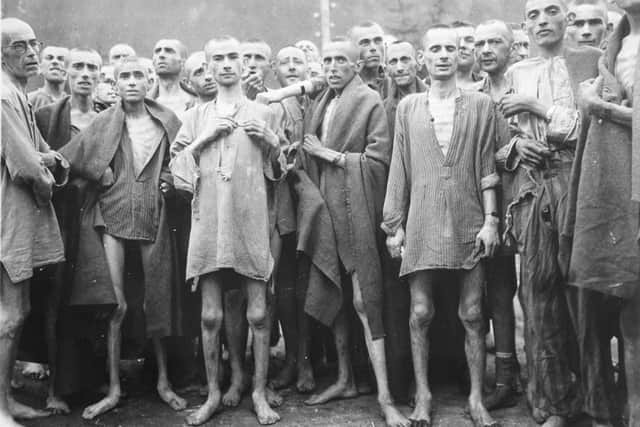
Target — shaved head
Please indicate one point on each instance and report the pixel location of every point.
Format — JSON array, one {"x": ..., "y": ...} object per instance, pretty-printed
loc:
[
  {"x": 15, "y": 29},
  {"x": 195, "y": 60},
  {"x": 345, "y": 46}
]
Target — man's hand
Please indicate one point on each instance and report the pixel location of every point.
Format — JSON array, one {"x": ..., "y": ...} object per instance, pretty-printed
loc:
[
  {"x": 107, "y": 179},
  {"x": 313, "y": 146},
  {"x": 513, "y": 104},
  {"x": 166, "y": 188},
  {"x": 48, "y": 159},
  {"x": 395, "y": 243},
  {"x": 214, "y": 129},
  {"x": 487, "y": 239},
  {"x": 260, "y": 132},
  {"x": 589, "y": 93},
  {"x": 532, "y": 151},
  {"x": 267, "y": 98},
  {"x": 252, "y": 85}
]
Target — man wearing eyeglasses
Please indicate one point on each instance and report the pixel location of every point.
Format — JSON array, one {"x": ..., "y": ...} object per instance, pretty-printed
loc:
[
  {"x": 29, "y": 236},
  {"x": 369, "y": 37},
  {"x": 53, "y": 65}
]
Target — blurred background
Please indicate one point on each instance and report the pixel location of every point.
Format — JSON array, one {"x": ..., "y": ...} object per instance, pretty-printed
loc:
[{"x": 102, "y": 23}]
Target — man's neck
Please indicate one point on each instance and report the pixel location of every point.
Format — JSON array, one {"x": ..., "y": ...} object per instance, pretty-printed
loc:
[
  {"x": 19, "y": 82},
  {"x": 206, "y": 98},
  {"x": 369, "y": 74},
  {"x": 498, "y": 84},
  {"x": 634, "y": 23},
  {"x": 443, "y": 89},
  {"x": 82, "y": 103},
  {"x": 552, "y": 50},
  {"x": 406, "y": 89},
  {"x": 169, "y": 85},
  {"x": 230, "y": 94},
  {"x": 134, "y": 109},
  {"x": 55, "y": 89},
  {"x": 464, "y": 75}
]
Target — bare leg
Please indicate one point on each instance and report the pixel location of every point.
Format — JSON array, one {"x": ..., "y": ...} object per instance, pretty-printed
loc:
[
  {"x": 422, "y": 312},
  {"x": 236, "y": 332},
  {"x": 55, "y": 403},
  {"x": 344, "y": 387},
  {"x": 14, "y": 308},
  {"x": 258, "y": 318},
  {"x": 306, "y": 381},
  {"x": 212, "y": 315},
  {"x": 470, "y": 313},
  {"x": 114, "y": 252},
  {"x": 629, "y": 321},
  {"x": 164, "y": 386},
  {"x": 377, "y": 355}
]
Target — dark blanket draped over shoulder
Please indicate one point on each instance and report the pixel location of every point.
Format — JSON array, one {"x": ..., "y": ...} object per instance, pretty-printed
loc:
[
  {"x": 90, "y": 153},
  {"x": 339, "y": 208}
]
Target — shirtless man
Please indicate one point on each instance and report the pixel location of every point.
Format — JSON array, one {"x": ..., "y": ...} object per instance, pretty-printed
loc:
[
  {"x": 30, "y": 233},
  {"x": 53, "y": 66},
  {"x": 348, "y": 107},
  {"x": 369, "y": 37},
  {"x": 168, "y": 59},
  {"x": 232, "y": 146},
  {"x": 125, "y": 151}
]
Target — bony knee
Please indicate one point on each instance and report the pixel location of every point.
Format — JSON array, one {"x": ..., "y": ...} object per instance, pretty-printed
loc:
[
  {"x": 120, "y": 311},
  {"x": 471, "y": 315},
  {"x": 212, "y": 319},
  {"x": 421, "y": 315},
  {"x": 257, "y": 317},
  {"x": 10, "y": 323}
]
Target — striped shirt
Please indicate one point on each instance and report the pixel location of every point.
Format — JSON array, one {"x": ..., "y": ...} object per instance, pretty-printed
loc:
[{"x": 437, "y": 197}]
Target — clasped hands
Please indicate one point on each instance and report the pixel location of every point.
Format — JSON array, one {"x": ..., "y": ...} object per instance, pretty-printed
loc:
[{"x": 256, "y": 129}]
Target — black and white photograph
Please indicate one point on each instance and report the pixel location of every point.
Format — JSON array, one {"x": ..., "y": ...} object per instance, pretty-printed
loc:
[{"x": 322, "y": 213}]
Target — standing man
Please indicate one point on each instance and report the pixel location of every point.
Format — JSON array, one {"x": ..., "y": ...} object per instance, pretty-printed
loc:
[
  {"x": 125, "y": 153},
  {"x": 546, "y": 125},
  {"x": 588, "y": 23},
  {"x": 53, "y": 66},
  {"x": 29, "y": 171},
  {"x": 520, "y": 47},
  {"x": 120, "y": 51},
  {"x": 604, "y": 274},
  {"x": 168, "y": 59},
  {"x": 226, "y": 153},
  {"x": 60, "y": 122},
  {"x": 200, "y": 78},
  {"x": 105, "y": 94},
  {"x": 442, "y": 186},
  {"x": 346, "y": 152},
  {"x": 369, "y": 37},
  {"x": 466, "y": 78},
  {"x": 256, "y": 55},
  {"x": 493, "y": 45}
]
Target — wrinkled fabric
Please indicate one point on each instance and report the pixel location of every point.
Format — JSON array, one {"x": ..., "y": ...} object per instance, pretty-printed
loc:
[
  {"x": 348, "y": 202},
  {"x": 437, "y": 197},
  {"x": 230, "y": 209},
  {"x": 29, "y": 232}
]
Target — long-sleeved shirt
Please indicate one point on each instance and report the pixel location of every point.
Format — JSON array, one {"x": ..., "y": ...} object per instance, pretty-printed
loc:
[
  {"x": 438, "y": 197},
  {"x": 29, "y": 232}
]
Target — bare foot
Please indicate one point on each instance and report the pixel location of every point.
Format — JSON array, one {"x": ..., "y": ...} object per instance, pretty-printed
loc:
[
  {"x": 36, "y": 371},
  {"x": 285, "y": 377},
  {"x": 23, "y": 412},
  {"x": 7, "y": 420},
  {"x": 206, "y": 411},
  {"x": 266, "y": 415},
  {"x": 393, "y": 417},
  {"x": 233, "y": 396},
  {"x": 170, "y": 398},
  {"x": 338, "y": 390},
  {"x": 274, "y": 398},
  {"x": 481, "y": 417},
  {"x": 57, "y": 406},
  {"x": 421, "y": 415},
  {"x": 306, "y": 383},
  {"x": 555, "y": 421},
  {"x": 106, "y": 404}
]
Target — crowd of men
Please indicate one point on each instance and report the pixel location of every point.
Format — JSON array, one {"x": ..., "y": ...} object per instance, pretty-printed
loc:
[{"x": 346, "y": 194}]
